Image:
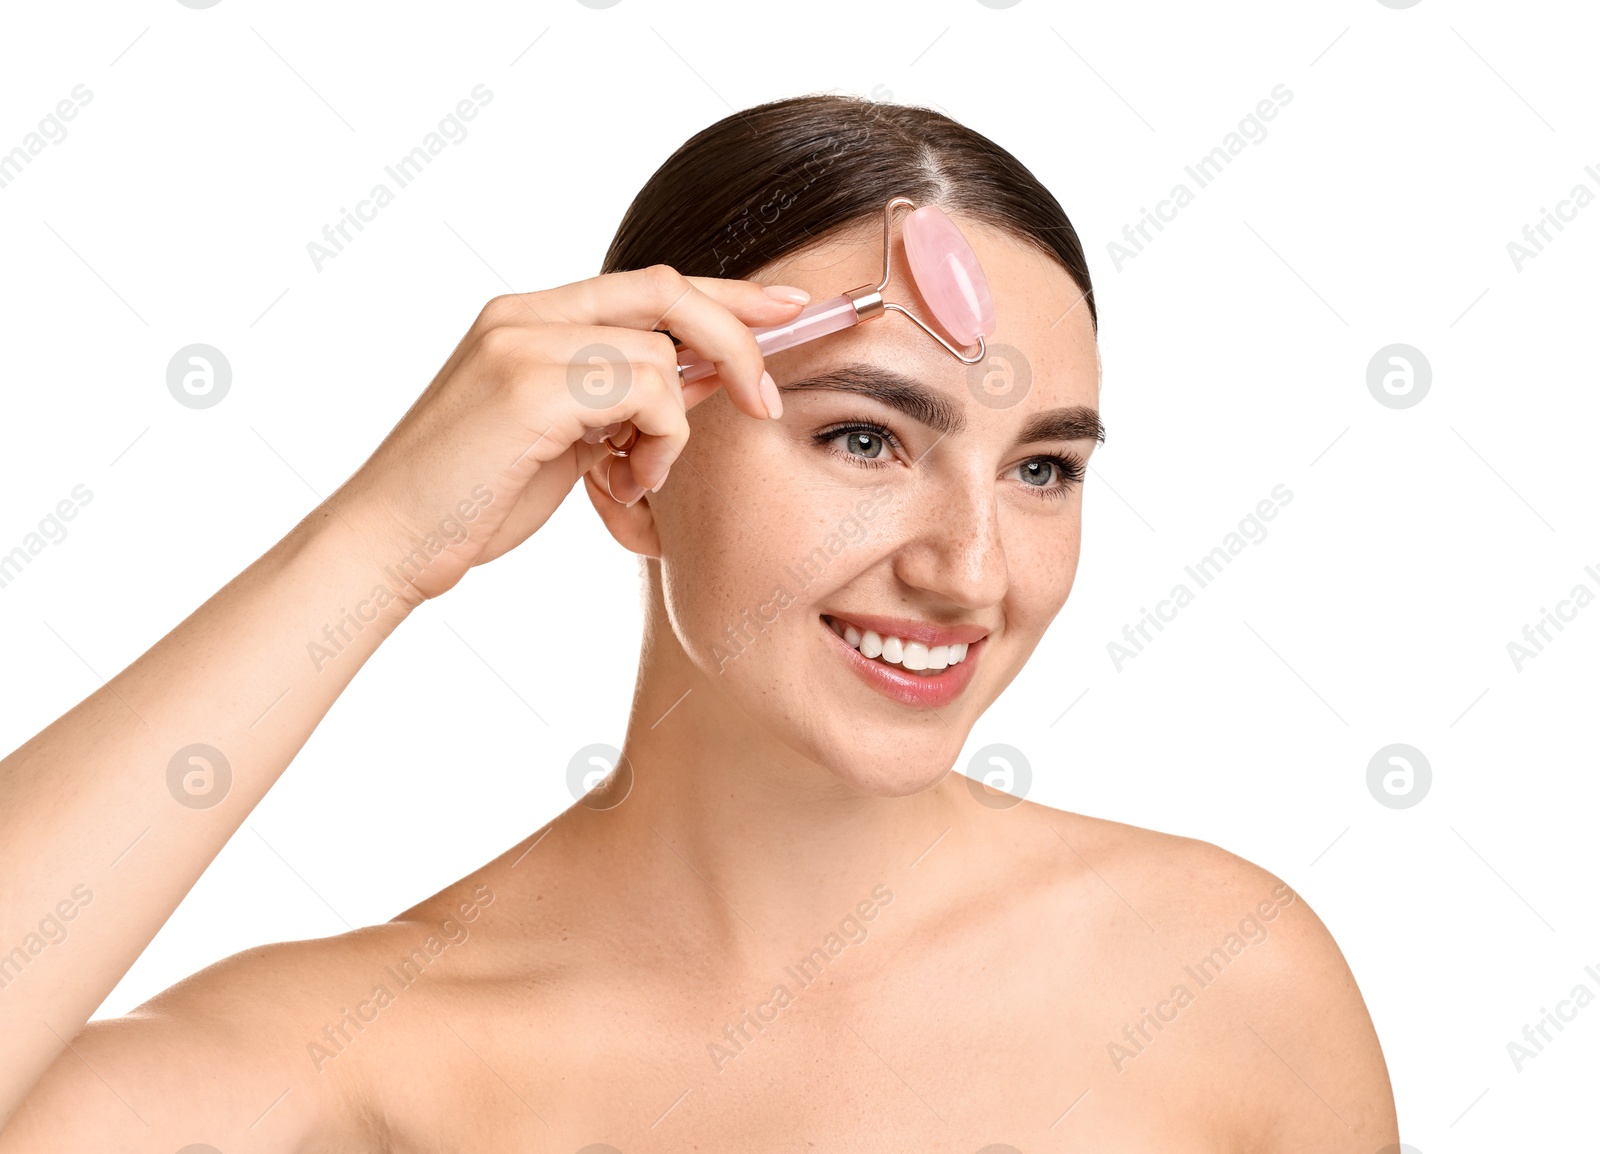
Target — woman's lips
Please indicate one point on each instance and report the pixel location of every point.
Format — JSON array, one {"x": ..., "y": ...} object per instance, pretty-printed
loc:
[{"x": 926, "y": 690}]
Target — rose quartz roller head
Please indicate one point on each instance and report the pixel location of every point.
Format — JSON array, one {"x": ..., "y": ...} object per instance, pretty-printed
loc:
[{"x": 943, "y": 267}]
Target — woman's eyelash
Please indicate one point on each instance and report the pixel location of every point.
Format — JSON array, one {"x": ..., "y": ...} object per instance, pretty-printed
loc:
[{"x": 1069, "y": 468}]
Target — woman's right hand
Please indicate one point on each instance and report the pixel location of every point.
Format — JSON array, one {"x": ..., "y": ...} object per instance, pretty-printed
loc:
[
  {"x": 496, "y": 441},
  {"x": 477, "y": 463}
]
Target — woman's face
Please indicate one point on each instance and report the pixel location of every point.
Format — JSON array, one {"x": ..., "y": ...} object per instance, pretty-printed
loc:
[{"x": 958, "y": 517}]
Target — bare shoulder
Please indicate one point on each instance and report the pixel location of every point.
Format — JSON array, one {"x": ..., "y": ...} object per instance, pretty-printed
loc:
[
  {"x": 1241, "y": 968},
  {"x": 1180, "y": 881},
  {"x": 271, "y": 1049}
]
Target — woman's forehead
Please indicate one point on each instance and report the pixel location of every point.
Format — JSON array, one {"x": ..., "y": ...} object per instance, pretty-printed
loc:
[
  {"x": 1027, "y": 284},
  {"x": 1044, "y": 340}
]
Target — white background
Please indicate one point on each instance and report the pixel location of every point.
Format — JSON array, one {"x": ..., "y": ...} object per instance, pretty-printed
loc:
[{"x": 1378, "y": 609}]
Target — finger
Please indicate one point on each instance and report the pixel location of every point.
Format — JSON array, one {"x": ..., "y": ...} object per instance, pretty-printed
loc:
[
  {"x": 631, "y": 300},
  {"x": 658, "y": 413},
  {"x": 692, "y": 393},
  {"x": 710, "y": 315},
  {"x": 596, "y": 435},
  {"x": 754, "y": 308},
  {"x": 602, "y": 376}
]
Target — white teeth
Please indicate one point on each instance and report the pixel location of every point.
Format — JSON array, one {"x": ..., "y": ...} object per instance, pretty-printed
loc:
[{"x": 913, "y": 655}]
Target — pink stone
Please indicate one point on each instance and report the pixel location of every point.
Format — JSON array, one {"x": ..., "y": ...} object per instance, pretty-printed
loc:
[{"x": 947, "y": 274}]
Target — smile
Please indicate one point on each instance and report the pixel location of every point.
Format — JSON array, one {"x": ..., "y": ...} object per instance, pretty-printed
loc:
[
  {"x": 893, "y": 650},
  {"x": 909, "y": 670}
]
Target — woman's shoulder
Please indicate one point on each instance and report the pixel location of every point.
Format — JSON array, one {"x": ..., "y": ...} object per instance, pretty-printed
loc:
[
  {"x": 1190, "y": 894},
  {"x": 263, "y": 1045},
  {"x": 1180, "y": 878},
  {"x": 1225, "y": 951},
  {"x": 298, "y": 1044}
]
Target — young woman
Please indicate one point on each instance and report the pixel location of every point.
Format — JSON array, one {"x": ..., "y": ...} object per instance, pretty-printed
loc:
[{"x": 782, "y": 922}]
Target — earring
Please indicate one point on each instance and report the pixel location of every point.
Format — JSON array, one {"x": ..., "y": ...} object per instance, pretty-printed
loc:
[
  {"x": 622, "y": 449},
  {"x": 610, "y": 471}
]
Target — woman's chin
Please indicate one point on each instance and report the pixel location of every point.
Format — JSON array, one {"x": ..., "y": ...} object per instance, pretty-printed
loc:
[{"x": 892, "y": 778}]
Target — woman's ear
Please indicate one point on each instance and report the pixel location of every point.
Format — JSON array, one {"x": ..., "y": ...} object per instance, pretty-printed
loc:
[{"x": 634, "y": 527}]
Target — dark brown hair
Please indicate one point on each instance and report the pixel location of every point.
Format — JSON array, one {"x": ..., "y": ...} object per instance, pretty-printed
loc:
[{"x": 763, "y": 183}]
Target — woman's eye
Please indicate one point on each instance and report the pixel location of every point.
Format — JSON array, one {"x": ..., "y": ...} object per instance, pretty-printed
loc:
[
  {"x": 873, "y": 445},
  {"x": 1052, "y": 476},
  {"x": 1040, "y": 472},
  {"x": 864, "y": 443}
]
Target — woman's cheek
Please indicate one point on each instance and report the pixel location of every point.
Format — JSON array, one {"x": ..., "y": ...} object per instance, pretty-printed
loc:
[
  {"x": 716, "y": 573},
  {"x": 1042, "y": 561}
]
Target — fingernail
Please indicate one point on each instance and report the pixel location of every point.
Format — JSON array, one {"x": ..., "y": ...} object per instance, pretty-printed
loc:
[
  {"x": 656, "y": 488},
  {"x": 788, "y": 293},
  {"x": 769, "y": 394}
]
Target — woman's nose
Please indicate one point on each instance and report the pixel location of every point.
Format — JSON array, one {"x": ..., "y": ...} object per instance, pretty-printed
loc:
[{"x": 953, "y": 543}]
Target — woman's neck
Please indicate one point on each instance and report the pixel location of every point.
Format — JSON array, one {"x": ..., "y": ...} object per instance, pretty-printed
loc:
[{"x": 752, "y": 842}]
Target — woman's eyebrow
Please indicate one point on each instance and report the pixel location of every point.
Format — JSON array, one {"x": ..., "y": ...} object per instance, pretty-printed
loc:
[
  {"x": 1077, "y": 423},
  {"x": 898, "y": 391}
]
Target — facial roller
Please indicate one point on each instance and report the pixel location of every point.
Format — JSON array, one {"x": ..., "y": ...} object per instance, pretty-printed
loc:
[{"x": 943, "y": 267}]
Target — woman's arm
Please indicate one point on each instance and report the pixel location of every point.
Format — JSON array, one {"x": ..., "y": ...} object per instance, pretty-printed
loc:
[
  {"x": 110, "y": 815},
  {"x": 100, "y": 838}
]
